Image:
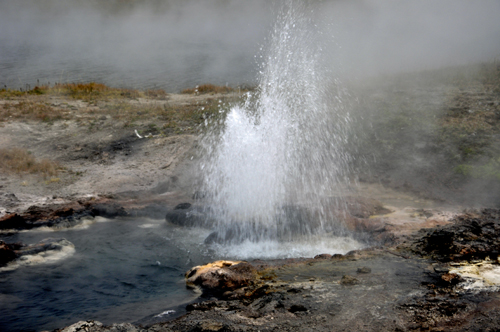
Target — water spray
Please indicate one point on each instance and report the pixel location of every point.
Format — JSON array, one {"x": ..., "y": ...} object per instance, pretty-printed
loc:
[{"x": 273, "y": 169}]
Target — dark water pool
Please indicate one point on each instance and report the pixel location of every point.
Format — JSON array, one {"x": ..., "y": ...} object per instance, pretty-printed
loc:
[
  {"x": 125, "y": 270},
  {"x": 121, "y": 271}
]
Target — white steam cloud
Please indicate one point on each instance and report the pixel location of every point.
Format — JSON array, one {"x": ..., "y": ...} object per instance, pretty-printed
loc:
[{"x": 180, "y": 43}]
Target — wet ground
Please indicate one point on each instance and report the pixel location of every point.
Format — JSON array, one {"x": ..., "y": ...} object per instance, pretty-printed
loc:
[{"x": 414, "y": 285}]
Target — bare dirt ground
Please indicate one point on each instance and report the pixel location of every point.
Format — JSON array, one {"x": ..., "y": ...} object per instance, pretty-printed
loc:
[{"x": 101, "y": 147}]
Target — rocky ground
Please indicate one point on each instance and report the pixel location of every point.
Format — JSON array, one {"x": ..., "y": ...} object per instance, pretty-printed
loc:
[
  {"x": 426, "y": 149},
  {"x": 443, "y": 279}
]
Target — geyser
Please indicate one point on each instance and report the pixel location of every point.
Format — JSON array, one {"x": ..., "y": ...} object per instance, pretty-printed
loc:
[{"x": 274, "y": 165}]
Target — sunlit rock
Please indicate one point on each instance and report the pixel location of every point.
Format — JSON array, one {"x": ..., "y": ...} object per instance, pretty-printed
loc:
[
  {"x": 82, "y": 326},
  {"x": 221, "y": 276}
]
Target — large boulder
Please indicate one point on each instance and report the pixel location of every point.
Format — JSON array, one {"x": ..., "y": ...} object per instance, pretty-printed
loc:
[{"x": 189, "y": 216}]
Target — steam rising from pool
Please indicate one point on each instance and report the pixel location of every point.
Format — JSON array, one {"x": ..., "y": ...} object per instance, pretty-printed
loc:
[{"x": 274, "y": 164}]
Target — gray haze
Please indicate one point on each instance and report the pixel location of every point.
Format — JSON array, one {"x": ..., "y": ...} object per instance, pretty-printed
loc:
[{"x": 180, "y": 43}]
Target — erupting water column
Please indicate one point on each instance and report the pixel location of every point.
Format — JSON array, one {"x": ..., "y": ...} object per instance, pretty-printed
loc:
[{"x": 271, "y": 171}]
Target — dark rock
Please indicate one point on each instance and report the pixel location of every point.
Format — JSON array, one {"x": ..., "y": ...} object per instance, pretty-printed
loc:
[
  {"x": 210, "y": 326},
  {"x": 236, "y": 294},
  {"x": 348, "y": 280},
  {"x": 441, "y": 269},
  {"x": 294, "y": 290},
  {"x": 203, "y": 306},
  {"x": 212, "y": 238},
  {"x": 323, "y": 256},
  {"x": 440, "y": 242},
  {"x": 89, "y": 325},
  {"x": 13, "y": 221},
  {"x": 297, "y": 308},
  {"x": 435, "y": 308},
  {"x": 364, "y": 270},
  {"x": 48, "y": 244},
  {"x": 451, "y": 278},
  {"x": 230, "y": 235},
  {"x": 471, "y": 236},
  {"x": 182, "y": 206},
  {"x": 7, "y": 253},
  {"x": 186, "y": 217},
  {"x": 109, "y": 210}
]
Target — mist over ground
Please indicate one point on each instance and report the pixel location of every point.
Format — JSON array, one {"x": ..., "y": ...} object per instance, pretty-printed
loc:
[{"x": 178, "y": 44}]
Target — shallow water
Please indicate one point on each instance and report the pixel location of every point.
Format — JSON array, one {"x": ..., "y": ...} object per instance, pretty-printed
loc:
[{"x": 125, "y": 270}]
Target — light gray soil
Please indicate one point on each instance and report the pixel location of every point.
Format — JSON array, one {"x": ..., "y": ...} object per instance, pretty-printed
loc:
[{"x": 100, "y": 155}]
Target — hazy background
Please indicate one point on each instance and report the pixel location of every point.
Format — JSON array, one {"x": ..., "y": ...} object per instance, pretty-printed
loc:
[{"x": 174, "y": 44}]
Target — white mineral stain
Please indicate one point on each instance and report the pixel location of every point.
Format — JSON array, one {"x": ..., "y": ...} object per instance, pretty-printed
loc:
[{"x": 481, "y": 276}]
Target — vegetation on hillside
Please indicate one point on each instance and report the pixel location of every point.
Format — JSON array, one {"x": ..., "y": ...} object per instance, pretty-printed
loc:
[
  {"x": 150, "y": 110},
  {"x": 20, "y": 161}
]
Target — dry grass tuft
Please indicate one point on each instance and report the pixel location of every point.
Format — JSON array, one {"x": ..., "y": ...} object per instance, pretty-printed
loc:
[
  {"x": 90, "y": 91},
  {"x": 76, "y": 89},
  {"x": 156, "y": 93},
  {"x": 18, "y": 161},
  {"x": 85, "y": 91},
  {"x": 30, "y": 110},
  {"x": 208, "y": 88},
  {"x": 101, "y": 102},
  {"x": 37, "y": 90}
]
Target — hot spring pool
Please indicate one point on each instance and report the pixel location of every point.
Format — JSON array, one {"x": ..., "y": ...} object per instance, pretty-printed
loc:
[{"x": 124, "y": 270}]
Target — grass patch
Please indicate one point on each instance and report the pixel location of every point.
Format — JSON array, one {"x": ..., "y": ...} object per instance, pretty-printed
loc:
[
  {"x": 19, "y": 161},
  {"x": 103, "y": 102},
  {"x": 156, "y": 94},
  {"x": 93, "y": 91},
  {"x": 208, "y": 88},
  {"x": 90, "y": 91},
  {"x": 31, "y": 110},
  {"x": 168, "y": 119}
]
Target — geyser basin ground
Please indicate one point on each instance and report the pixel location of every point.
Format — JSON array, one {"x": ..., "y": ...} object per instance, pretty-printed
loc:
[
  {"x": 126, "y": 262},
  {"x": 103, "y": 157}
]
